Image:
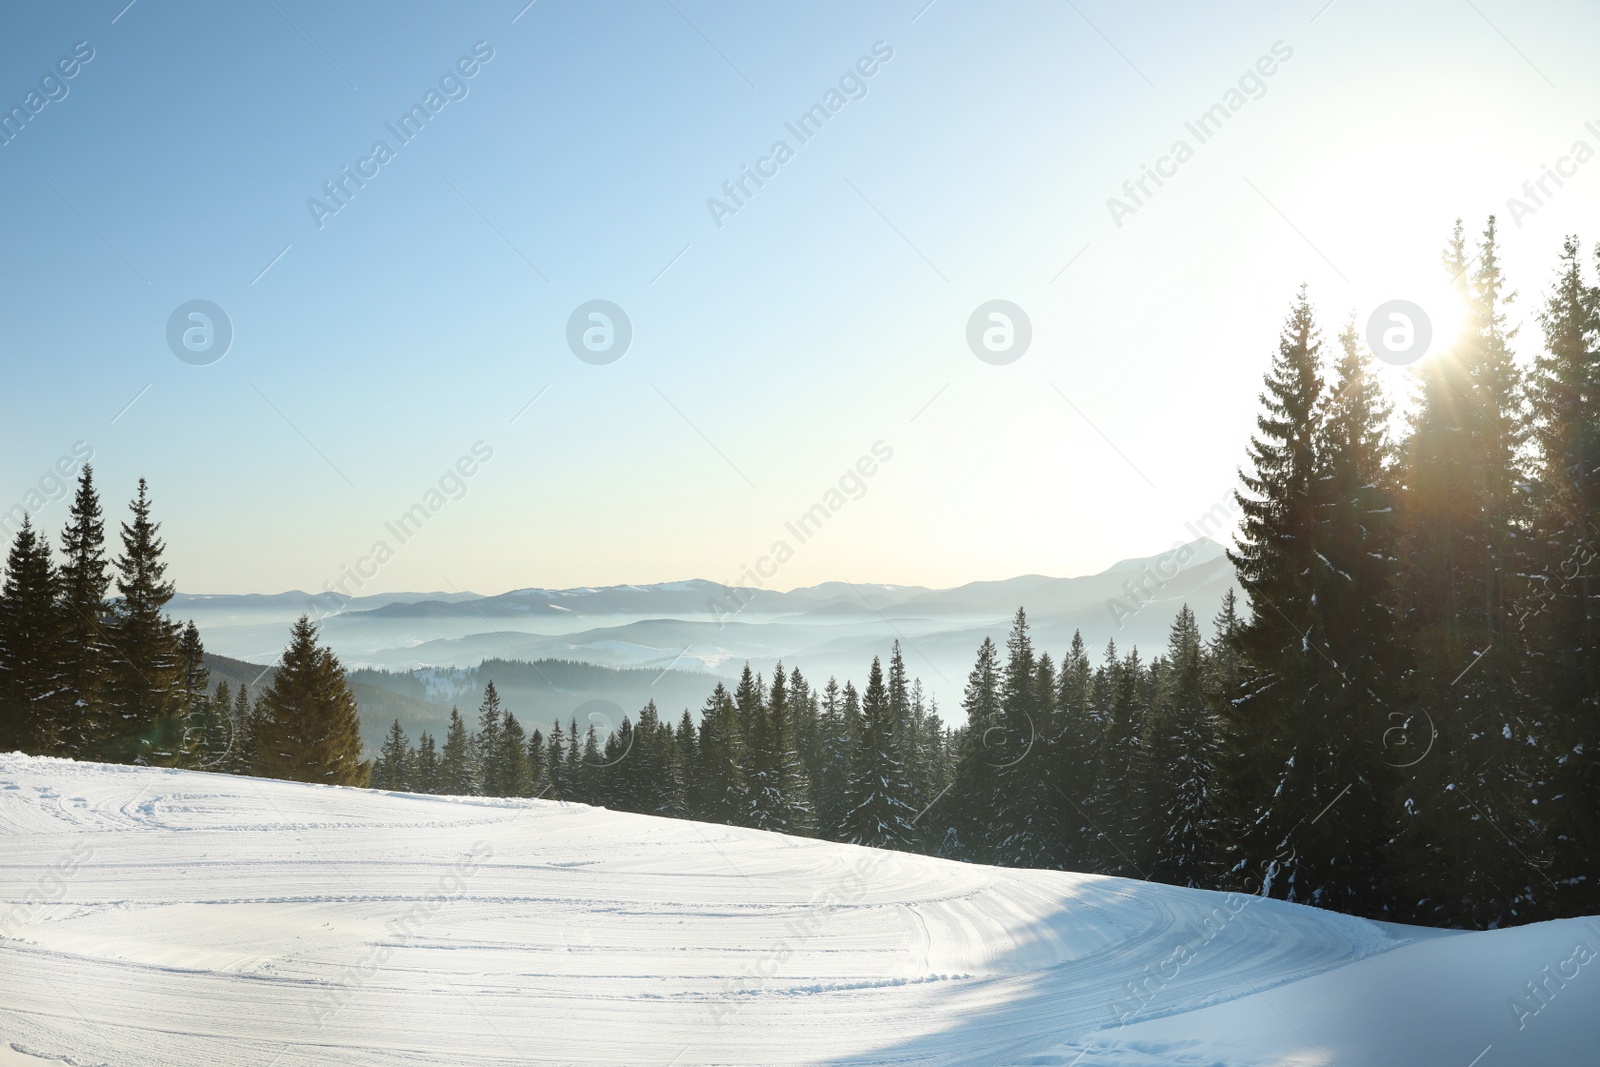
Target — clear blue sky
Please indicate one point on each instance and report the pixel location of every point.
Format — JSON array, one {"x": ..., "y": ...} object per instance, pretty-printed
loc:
[{"x": 822, "y": 317}]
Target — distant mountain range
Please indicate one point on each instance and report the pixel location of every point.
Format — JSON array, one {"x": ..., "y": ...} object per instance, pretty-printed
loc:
[
  {"x": 1041, "y": 595},
  {"x": 686, "y": 626}
]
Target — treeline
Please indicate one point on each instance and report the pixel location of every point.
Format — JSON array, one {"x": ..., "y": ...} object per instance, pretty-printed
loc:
[
  {"x": 88, "y": 675},
  {"x": 1415, "y": 728},
  {"x": 877, "y": 766},
  {"x": 829, "y": 761},
  {"x": 1404, "y": 723}
]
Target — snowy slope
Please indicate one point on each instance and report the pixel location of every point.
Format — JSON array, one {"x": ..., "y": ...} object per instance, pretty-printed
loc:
[{"x": 170, "y": 918}]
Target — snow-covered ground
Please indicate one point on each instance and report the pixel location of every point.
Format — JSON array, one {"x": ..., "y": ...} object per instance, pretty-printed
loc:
[{"x": 170, "y": 918}]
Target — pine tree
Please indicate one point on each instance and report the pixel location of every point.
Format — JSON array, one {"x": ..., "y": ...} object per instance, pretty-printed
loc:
[
  {"x": 222, "y": 697},
  {"x": 832, "y": 779},
  {"x": 1179, "y": 753},
  {"x": 486, "y": 747},
  {"x": 1558, "y": 621},
  {"x": 574, "y": 776},
  {"x": 514, "y": 776},
  {"x": 30, "y": 672},
  {"x": 1073, "y": 770},
  {"x": 391, "y": 770},
  {"x": 425, "y": 765},
  {"x": 536, "y": 764},
  {"x": 880, "y": 812},
  {"x": 965, "y": 812},
  {"x": 1120, "y": 804},
  {"x": 240, "y": 757},
  {"x": 779, "y": 798},
  {"x": 721, "y": 793},
  {"x": 85, "y": 618},
  {"x": 1271, "y": 784},
  {"x": 649, "y": 763},
  {"x": 193, "y": 733},
  {"x": 686, "y": 766},
  {"x": 456, "y": 777},
  {"x": 1344, "y": 860},
  {"x": 589, "y": 770},
  {"x": 307, "y": 727},
  {"x": 555, "y": 772},
  {"x": 1019, "y": 808},
  {"x": 1463, "y": 513},
  {"x": 145, "y": 664}
]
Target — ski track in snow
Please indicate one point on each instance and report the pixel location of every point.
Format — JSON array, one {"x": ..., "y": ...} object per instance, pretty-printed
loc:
[{"x": 211, "y": 920}]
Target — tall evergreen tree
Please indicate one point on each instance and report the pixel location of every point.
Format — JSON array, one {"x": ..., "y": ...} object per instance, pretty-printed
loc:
[
  {"x": 487, "y": 750},
  {"x": 780, "y": 799},
  {"x": 536, "y": 763},
  {"x": 1463, "y": 514},
  {"x": 1269, "y": 789},
  {"x": 831, "y": 780},
  {"x": 1345, "y": 860},
  {"x": 456, "y": 777},
  {"x": 30, "y": 671},
  {"x": 1073, "y": 771},
  {"x": 1020, "y": 811},
  {"x": 1179, "y": 753},
  {"x": 193, "y": 732},
  {"x": 965, "y": 813},
  {"x": 555, "y": 768},
  {"x": 1558, "y": 620},
  {"x": 145, "y": 671},
  {"x": 85, "y": 616},
  {"x": 307, "y": 727},
  {"x": 425, "y": 765},
  {"x": 721, "y": 795},
  {"x": 513, "y": 774},
  {"x": 391, "y": 770},
  {"x": 880, "y": 810},
  {"x": 240, "y": 757}
]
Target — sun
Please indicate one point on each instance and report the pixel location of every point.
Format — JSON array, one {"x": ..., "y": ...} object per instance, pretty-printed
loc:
[
  {"x": 1445, "y": 305},
  {"x": 1408, "y": 325}
]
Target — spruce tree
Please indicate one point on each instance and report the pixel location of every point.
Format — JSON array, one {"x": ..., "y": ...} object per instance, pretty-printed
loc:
[
  {"x": 425, "y": 765},
  {"x": 241, "y": 751},
  {"x": 1178, "y": 756},
  {"x": 1073, "y": 770},
  {"x": 1344, "y": 860},
  {"x": 574, "y": 776},
  {"x": 555, "y": 769},
  {"x": 686, "y": 766},
  {"x": 306, "y": 724},
  {"x": 1120, "y": 805},
  {"x": 30, "y": 668},
  {"x": 391, "y": 769},
  {"x": 880, "y": 812},
  {"x": 145, "y": 665},
  {"x": 1271, "y": 776},
  {"x": 780, "y": 799},
  {"x": 85, "y": 617},
  {"x": 721, "y": 794},
  {"x": 486, "y": 747},
  {"x": 192, "y": 733},
  {"x": 1463, "y": 511},
  {"x": 1558, "y": 622},
  {"x": 456, "y": 777},
  {"x": 511, "y": 764},
  {"x": 966, "y": 812},
  {"x": 589, "y": 774},
  {"x": 830, "y": 783},
  {"x": 1019, "y": 810},
  {"x": 536, "y": 764}
]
